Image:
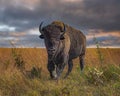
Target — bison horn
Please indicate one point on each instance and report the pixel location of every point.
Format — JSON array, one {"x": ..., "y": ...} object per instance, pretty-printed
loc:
[
  {"x": 64, "y": 29},
  {"x": 40, "y": 27},
  {"x": 63, "y": 32}
]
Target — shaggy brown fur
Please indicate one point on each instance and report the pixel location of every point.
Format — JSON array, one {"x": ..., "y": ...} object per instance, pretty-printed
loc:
[{"x": 70, "y": 46}]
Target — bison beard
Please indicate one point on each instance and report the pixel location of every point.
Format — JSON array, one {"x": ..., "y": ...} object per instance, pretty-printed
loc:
[{"x": 63, "y": 44}]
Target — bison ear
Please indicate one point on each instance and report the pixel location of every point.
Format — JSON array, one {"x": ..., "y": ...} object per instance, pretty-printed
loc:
[
  {"x": 62, "y": 37},
  {"x": 41, "y": 36}
]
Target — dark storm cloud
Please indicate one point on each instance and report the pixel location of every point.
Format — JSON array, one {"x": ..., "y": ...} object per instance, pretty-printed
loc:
[
  {"x": 103, "y": 14},
  {"x": 86, "y": 14},
  {"x": 105, "y": 41},
  {"x": 29, "y": 41},
  {"x": 21, "y": 19},
  {"x": 25, "y": 15},
  {"x": 20, "y": 39}
]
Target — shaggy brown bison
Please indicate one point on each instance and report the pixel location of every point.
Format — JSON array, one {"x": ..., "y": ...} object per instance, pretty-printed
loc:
[{"x": 63, "y": 44}]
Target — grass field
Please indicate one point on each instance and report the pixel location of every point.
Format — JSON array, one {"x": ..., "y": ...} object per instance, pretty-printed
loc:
[{"x": 23, "y": 72}]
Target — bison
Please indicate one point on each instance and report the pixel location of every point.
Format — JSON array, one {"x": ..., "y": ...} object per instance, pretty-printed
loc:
[{"x": 63, "y": 44}]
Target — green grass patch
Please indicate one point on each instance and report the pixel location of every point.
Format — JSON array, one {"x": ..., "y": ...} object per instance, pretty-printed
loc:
[{"x": 91, "y": 82}]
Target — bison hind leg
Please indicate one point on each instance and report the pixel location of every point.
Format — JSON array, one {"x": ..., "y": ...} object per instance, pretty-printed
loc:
[{"x": 82, "y": 62}]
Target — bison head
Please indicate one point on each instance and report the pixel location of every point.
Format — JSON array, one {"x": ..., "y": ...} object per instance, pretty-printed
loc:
[{"x": 52, "y": 34}]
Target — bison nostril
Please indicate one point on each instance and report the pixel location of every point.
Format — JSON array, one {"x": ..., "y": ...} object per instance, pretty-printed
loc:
[{"x": 51, "y": 50}]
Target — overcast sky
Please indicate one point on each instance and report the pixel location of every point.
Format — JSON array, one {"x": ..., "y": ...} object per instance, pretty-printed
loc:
[{"x": 20, "y": 19}]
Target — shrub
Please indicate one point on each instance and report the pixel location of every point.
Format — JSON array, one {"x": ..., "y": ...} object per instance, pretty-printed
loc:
[
  {"x": 19, "y": 62},
  {"x": 111, "y": 72},
  {"x": 36, "y": 72},
  {"x": 100, "y": 55},
  {"x": 105, "y": 74},
  {"x": 95, "y": 76}
]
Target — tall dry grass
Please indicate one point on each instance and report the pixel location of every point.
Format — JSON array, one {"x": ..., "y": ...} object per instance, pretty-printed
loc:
[{"x": 34, "y": 79}]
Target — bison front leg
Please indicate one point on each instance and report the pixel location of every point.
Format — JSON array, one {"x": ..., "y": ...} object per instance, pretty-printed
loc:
[
  {"x": 52, "y": 69},
  {"x": 70, "y": 66},
  {"x": 60, "y": 67}
]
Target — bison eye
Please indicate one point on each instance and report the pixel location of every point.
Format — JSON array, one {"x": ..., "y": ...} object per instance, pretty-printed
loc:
[
  {"x": 62, "y": 37},
  {"x": 41, "y": 36}
]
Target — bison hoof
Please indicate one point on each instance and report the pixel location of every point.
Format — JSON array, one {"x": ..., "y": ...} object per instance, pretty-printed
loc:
[{"x": 54, "y": 75}]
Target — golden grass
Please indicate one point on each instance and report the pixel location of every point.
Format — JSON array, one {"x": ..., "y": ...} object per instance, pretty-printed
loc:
[
  {"x": 94, "y": 81},
  {"x": 38, "y": 56}
]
